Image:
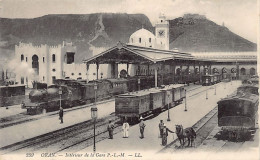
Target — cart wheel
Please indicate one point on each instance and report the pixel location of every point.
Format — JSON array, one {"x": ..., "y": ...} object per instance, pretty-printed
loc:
[{"x": 44, "y": 111}]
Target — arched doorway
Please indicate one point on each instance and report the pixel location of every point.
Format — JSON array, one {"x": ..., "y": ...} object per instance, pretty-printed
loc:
[
  {"x": 196, "y": 71},
  {"x": 215, "y": 71},
  {"x": 243, "y": 71},
  {"x": 224, "y": 73},
  {"x": 252, "y": 71},
  {"x": 35, "y": 64},
  {"x": 178, "y": 72},
  {"x": 123, "y": 74}
]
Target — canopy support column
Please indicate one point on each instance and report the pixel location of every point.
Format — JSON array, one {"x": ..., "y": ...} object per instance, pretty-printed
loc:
[
  {"x": 127, "y": 68},
  {"x": 162, "y": 73},
  {"x": 87, "y": 65},
  {"x": 97, "y": 64},
  {"x": 155, "y": 76}
]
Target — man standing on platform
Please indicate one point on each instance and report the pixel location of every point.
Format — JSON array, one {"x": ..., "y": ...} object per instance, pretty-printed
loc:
[
  {"x": 165, "y": 135},
  {"x": 110, "y": 129},
  {"x": 125, "y": 129},
  {"x": 142, "y": 126},
  {"x": 61, "y": 115},
  {"x": 161, "y": 124}
]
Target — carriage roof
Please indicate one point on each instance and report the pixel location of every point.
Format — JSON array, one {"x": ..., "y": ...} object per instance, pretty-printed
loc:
[
  {"x": 16, "y": 85},
  {"x": 241, "y": 97},
  {"x": 249, "y": 86},
  {"x": 136, "y": 94}
]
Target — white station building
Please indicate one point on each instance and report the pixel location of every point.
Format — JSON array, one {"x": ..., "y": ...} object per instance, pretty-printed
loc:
[{"x": 46, "y": 63}]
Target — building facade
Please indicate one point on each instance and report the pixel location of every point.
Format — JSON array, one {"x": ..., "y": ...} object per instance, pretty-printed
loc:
[{"x": 46, "y": 63}]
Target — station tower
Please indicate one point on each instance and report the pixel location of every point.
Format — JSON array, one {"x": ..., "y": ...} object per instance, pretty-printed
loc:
[{"x": 162, "y": 33}]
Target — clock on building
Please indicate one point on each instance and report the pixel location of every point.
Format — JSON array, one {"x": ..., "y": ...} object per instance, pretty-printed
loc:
[{"x": 161, "y": 33}]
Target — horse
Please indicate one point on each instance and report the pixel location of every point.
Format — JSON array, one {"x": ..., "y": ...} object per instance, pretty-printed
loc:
[{"x": 185, "y": 133}]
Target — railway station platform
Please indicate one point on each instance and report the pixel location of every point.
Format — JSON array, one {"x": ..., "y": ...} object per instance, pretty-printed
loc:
[
  {"x": 12, "y": 110},
  {"x": 197, "y": 107},
  {"x": 23, "y": 131}
]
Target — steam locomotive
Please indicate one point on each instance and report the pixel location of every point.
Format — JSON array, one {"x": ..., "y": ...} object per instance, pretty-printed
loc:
[{"x": 68, "y": 93}]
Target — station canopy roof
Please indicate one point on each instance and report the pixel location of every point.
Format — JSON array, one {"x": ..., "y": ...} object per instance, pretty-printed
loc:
[{"x": 124, "y": 53}]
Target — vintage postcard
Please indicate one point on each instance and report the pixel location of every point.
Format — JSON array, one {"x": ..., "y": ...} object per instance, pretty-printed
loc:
[{"x": 129, "y": 79}]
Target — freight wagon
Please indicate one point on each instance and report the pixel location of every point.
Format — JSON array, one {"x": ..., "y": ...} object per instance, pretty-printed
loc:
[{"x": 132, "y": 105}]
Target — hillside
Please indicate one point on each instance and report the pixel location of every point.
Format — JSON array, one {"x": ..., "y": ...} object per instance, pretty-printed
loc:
[
  {"x": 88, "y": 31},
  {"x": 195, "y": 33},
  {"x": 85, "y": 31}
]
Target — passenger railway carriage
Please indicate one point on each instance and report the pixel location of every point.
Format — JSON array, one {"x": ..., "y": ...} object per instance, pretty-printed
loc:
[
  {"x": 132, "y": 105},
  {"x": 237, "y": 116}
]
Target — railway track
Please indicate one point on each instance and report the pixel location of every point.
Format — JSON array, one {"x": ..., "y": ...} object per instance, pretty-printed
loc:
[
  {"x": 206, "y": 141},
  {"x": 23, "y": 117},
  {"x": 80, "y": 136},
  {"x": 57, "y": 141},
  {"x": 203, "y": 128}
]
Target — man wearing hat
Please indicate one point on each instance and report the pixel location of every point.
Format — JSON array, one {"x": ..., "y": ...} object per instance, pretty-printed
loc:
[
  {"x": 110, "y": 129},
  {"x": 142, "y": 126},
  {"x": 165, "y": 135},
  {"x": 161, "y": 124}
]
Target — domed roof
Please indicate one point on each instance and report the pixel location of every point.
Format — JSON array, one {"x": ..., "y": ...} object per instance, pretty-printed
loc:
[{"x": 142, "y": 33}]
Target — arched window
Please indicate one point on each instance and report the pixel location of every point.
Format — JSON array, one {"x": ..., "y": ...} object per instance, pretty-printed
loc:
[
  {"x": 150, "y": 40},
  {"x": 43, "y": 59},
  {"x": 140, "y": 40},
  {"x": 26, "y": 59},
  {"x": 243, "y": 71},
  {"x": 22, "y": 57},
  {"x": 132, "y": 40},
  {"x": 53, "y": 58},
  {"x": 252, "y": 71}
]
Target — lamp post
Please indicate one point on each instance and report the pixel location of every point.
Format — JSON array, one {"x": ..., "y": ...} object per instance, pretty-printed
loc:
[
  {"x": 94, "y": 116},
  {"x": 168, "y": 119},
  {"x": 207, "y": 93},
  {"x": 185, "y": 101}
]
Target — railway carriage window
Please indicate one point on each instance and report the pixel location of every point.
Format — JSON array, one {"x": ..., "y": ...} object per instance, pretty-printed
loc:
[{"x": 246, "y": 107}]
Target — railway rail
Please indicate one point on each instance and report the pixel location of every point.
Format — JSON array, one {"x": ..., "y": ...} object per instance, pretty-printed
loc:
[
  {"x": 80, "y": 136},
  {"x": 23, "y": 117},
  {"x": 54, "y": 141}
]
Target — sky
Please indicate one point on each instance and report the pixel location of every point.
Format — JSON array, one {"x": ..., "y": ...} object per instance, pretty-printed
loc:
[{"x": 240, "y": 16}]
